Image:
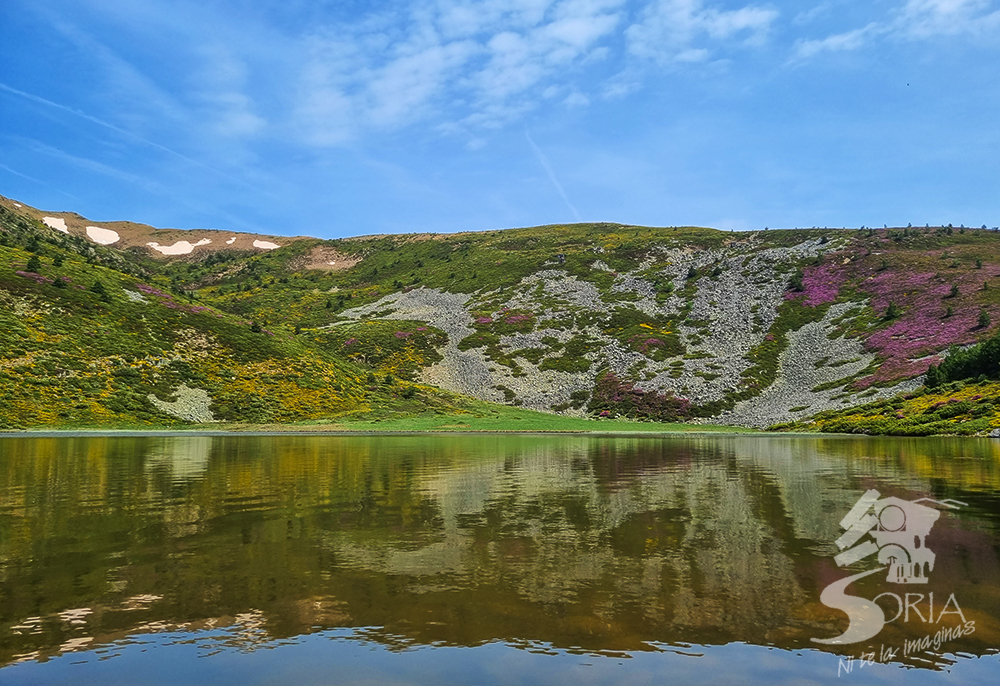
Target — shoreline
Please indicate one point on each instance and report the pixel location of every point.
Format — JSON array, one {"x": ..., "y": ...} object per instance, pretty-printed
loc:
[{"x": 79, "y": 433}]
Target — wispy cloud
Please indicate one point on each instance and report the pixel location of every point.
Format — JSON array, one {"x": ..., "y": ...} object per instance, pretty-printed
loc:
[
  {"x": 17, "y": 173},
  {"x": 544, "y": 161},
  {"x": 126, "y": 134},
  {"x": 838, "y": 42},
  {"x": 669, "y": 30},
  {"x": 472, "y": 65},
  {"x": 813, "y": 13},
  {"x": 928, "y": 18},
  {"x": 913, "y": 20},
  {"x": 97, "y": 167}
]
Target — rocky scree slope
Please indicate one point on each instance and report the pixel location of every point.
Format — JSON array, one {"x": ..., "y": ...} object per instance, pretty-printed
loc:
[{"x": 595, "y": 320}]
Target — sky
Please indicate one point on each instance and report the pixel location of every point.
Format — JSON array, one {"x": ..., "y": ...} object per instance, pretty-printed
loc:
[{"x": 341, "y": 118}]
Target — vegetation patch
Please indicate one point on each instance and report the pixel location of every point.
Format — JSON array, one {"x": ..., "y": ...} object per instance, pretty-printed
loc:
[
  {"x": 654, "y": 338},
  {"x": 573, "y": 358},
  {"x": 956, "y": 408},
  {"x": 613, "y": 397}
]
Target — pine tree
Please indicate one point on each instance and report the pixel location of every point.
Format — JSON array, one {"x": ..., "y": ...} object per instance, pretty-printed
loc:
[
  {"x": 933, "y": 376},
  {"x": 34, "y": 264},
  {"x": 795, "y": 283},
  {"x": 101, "y": 292}
]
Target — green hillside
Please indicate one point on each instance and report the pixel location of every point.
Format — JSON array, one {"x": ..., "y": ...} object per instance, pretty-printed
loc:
[{"x": 586, "y": 320}]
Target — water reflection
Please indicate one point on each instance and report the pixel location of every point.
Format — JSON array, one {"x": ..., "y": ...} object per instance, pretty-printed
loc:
[{"x": 572, "y": 543}]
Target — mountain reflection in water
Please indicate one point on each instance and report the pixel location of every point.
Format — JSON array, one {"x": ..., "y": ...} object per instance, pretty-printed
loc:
[{"x": 566, "y": 545}]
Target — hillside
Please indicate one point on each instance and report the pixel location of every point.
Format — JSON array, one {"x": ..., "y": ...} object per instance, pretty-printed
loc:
[{"x": 586, "y": 320}]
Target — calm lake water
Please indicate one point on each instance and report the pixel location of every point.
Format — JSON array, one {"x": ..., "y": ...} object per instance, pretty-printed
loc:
[{"x": 483, "y": 560}]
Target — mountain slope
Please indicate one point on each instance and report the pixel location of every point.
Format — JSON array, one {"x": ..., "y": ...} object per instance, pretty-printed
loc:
[{"x": 595, "y": 320}]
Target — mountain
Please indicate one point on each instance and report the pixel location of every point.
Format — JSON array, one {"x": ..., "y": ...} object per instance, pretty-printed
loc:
[{"x": 117, "y": 322}]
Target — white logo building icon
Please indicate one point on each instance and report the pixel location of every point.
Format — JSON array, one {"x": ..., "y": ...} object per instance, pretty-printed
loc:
[{"x": 899, "y": 529}]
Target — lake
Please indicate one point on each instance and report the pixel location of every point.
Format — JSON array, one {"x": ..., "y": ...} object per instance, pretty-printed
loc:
[{"x": 495, "y": 559}]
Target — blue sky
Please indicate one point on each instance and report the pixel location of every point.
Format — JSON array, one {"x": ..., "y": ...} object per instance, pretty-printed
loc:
[{"x": 345, "y": 118}]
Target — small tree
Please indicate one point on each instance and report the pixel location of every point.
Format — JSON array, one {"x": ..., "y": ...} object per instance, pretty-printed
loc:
[
  {"x": 984, "y": 319},
  {"x": 795, "y": 283},
  {"x": 979, "y": 263},
  {"x": 255, "y": 327},
  {"x": 954, "y": 290},
  {"x": 34, "y": 264},
  {"x": 892, "y": 311},
  {"x": 948, "y": 312},
  {"x": 59, "y": 283},
  {"x": 57, "y": 261},
  {"x": 933, "y": 376},
  {"x": 100, "y": 291}
]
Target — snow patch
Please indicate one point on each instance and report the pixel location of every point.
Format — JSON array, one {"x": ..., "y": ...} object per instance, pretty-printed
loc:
[
  {"x": 231, "y": 240},
  {"x": 57, "y": 223},
  {"x": 178, "y": 248},
  {"x": 17, "y": 204},
  {"x": 265, "y": 245},
  {"x": 102, "y": 236}
]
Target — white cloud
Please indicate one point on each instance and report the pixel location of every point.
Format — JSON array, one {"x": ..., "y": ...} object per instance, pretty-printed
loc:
[
  {"x": 221, "y": 86},
  {"x": 913, "y": 20},
  {"x": 928, "y": 18},
  {"x": 478, "y": 64},
  {"x": 810, "y": 15},
  {"x": 840, "y": 42},
  {"x": 692, "y": 55},
  {"x": 670, "y": 28}
]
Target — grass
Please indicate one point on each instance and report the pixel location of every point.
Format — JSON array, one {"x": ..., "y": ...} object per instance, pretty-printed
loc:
[{"x": 472, "y": 416}]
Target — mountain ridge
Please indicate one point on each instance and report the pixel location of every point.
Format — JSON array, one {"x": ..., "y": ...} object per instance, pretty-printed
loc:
[{"x": 593, "y": 320}]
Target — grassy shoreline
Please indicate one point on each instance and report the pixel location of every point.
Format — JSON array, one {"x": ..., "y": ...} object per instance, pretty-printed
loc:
[
  {"x": 391, "y": 427},
  {"x": 474, "y": 417}
]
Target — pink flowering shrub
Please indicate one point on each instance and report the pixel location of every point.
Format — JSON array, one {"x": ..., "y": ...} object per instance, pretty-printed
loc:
[
  {"x": 37, "y": 278},
  {"x": 613, "y": 397},
  {"x": 517, "y": 318},
  {"x": 909, "y": 344},
  {"x": 644, "y": 343},
  {"x": 505, "y": 321},
  {"x": 820, "y": 284},
  {"x": 149, "y": 290}
]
